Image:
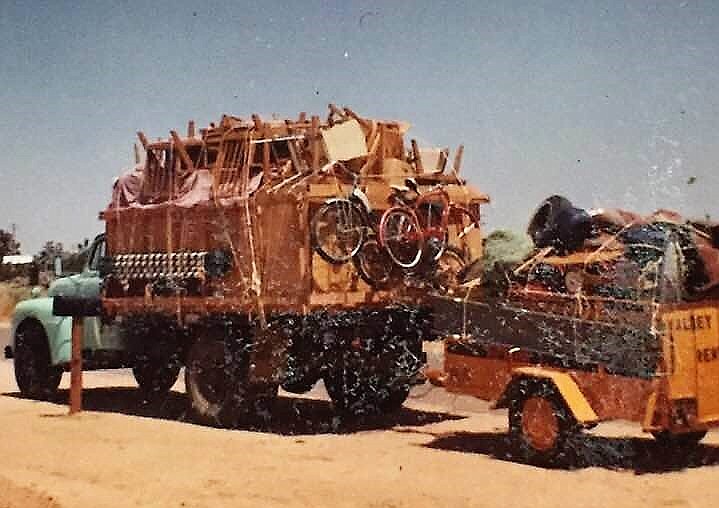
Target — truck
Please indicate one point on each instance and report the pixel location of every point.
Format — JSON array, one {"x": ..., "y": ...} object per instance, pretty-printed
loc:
[
  {"x": 208, "y": 262},
  {"x": 604, "y": 319}
]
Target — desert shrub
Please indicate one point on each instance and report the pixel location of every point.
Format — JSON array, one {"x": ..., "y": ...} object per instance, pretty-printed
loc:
[{"x": 10, "y": 294}]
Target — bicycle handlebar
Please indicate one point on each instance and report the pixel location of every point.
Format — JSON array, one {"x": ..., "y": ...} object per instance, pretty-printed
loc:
[{"x": 330, "y": 168}]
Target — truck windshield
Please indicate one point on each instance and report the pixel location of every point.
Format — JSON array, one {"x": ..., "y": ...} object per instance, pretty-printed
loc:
[{"x": 98, "y": 251}]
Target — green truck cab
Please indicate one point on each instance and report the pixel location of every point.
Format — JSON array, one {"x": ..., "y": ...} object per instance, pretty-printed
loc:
[{"x": 40, "y": 342}]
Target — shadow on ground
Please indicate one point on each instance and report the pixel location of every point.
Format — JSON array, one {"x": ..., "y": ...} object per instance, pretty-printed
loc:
[
  {"x": 641, "y": 455},
  {"x": 289, "y": 415}
]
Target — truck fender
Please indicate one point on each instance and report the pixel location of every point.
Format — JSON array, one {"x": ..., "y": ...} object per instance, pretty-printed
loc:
[
  {"x": 564, "y": 384},
  {"x": 57, "y": 329}
]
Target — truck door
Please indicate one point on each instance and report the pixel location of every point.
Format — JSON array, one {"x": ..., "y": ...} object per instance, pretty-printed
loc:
[{"x": 97, "y": 336}]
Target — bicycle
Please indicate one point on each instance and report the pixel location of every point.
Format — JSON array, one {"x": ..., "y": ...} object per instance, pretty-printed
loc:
[
  {"x": 339, "y": 226},
  {"x": 419, "y": 223},
  {"x": 343, "y": 229}
]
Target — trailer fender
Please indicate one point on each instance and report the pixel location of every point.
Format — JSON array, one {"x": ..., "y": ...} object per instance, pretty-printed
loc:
[{"x": 564, "y": 384}]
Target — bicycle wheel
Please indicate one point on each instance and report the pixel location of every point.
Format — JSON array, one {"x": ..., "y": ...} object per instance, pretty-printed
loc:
[
  {"x": 401, "y": 235},
  {"x": 465, "y": 220},
  {"x": 337, "y": 231},
  {"x": 450, "y": 268},
  {"x": 374, "y": 264}
]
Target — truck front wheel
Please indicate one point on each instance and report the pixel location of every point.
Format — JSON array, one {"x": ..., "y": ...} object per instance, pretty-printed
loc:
[{"x": 36, "y": 377}]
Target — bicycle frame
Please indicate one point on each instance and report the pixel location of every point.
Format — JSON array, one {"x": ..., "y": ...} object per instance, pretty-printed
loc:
[{"x": 428, "y": 228}]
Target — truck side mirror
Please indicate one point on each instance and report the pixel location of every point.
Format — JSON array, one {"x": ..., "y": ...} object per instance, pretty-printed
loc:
[{"x": 105, "y": 266}]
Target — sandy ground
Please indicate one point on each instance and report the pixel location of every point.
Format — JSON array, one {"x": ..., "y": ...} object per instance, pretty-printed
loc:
[{"x": 442, "y": 450}]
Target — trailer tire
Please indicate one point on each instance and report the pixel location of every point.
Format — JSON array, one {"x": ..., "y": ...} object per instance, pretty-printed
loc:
[
  {"x": 539, "y": 422},
  {"x": 685, "y": 440},
  {"x": 36, "y": 377}
]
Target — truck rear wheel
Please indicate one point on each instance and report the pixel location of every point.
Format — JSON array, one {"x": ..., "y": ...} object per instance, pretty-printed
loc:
[
  {"x": 36, "y": 377},
  {"x": 218, "y": 389},
  {"x": 539, "y": 422},
  {"x": 357, "y": 394},
  {"x": 207, "y": 383}
]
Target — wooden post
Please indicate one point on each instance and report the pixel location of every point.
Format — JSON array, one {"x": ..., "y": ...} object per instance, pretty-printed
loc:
[
  {"x": 458, "y": 160},
  {"x": 419, "y": 168},
  {"x": 182, "y": 151},
  {"x": 76, "y": 308},
  {"x": 266, "y": 153},
  {"x": 143, "y": 139},
  {"x": 315, "y": 142},
  {"x": 76, "y": 366}
]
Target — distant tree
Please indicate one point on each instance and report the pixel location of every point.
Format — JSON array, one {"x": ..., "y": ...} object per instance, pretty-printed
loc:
[
  {"x": 8, "y": 244},
  {"x": 72, "y": 262},
  {"x": 49, "y": 251}
]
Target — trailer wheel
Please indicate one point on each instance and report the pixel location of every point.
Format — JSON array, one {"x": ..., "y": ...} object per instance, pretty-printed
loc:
[
  {"x": 207, "y": 383},
  {"x": 685, "y": 440},
  {"x": 155, "y": 377},
  {"x": 36, "y": 377},
  {"x": 539, "y": 422}
]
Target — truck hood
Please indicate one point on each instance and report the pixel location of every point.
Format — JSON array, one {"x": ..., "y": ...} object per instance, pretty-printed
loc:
[{"x": 66, "y": 286}]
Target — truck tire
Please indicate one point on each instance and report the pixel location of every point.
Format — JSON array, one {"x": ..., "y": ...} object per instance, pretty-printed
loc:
[
  {"x": 207, "y": 383},
  {"x": 155, "y": 377},
  {"x": 355, "y": 394},
  {"x": 36, "y": 377},
  {"x": 539, "y": 422},
  {"x": 219, "y": 392}
]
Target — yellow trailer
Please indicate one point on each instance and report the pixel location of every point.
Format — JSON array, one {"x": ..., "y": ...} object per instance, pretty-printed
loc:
[{"x": 561, "y": 362}]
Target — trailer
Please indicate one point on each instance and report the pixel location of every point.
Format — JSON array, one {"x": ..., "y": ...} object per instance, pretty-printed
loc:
[{"x": 562, "y": 357}]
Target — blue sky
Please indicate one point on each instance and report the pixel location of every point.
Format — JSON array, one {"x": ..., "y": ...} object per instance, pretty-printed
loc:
[{"x": 610, "y": 103}]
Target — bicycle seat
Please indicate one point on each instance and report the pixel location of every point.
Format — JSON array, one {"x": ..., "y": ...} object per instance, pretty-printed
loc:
[{"x": 403, "y": 194}]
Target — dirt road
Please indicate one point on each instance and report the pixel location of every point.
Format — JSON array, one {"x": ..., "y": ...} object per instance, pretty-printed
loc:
[{"x": 440, "y": 451}]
